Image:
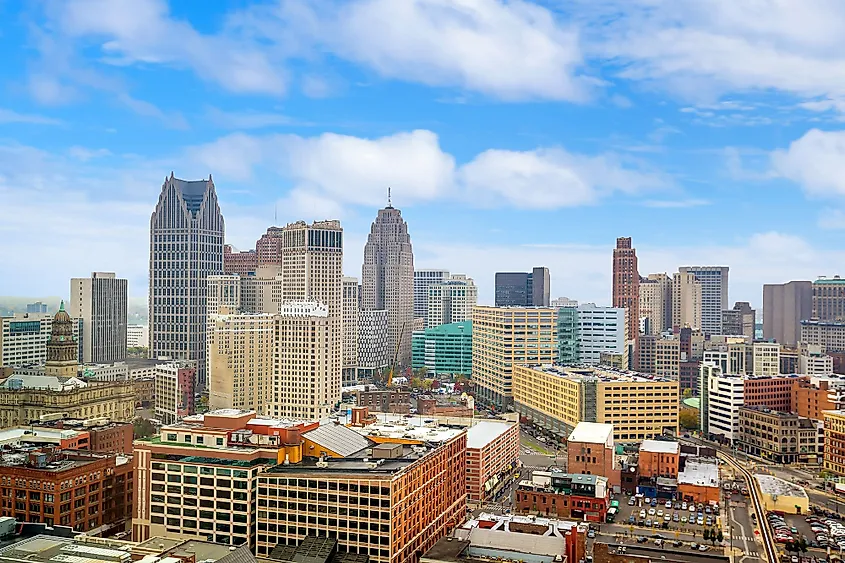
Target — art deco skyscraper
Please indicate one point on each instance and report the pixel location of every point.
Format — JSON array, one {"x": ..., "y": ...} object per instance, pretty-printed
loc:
[
  {"x": 186, "y": 246},
  {"x": 388, "y": 279},
  {"x": 626, "y": 283}
]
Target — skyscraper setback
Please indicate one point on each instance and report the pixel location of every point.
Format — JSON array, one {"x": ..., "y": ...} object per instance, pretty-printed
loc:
[
  {"x": 626, "y": 283},
  {"x": 387, "y": 280},
  {"x": 186, "y": 246}
]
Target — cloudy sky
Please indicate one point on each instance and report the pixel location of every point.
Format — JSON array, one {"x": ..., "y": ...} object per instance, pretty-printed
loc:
[{"x": 513, "y": 133}]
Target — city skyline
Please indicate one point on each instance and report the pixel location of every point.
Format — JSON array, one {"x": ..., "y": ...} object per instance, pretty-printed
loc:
[{"x": 734, "y": 166}]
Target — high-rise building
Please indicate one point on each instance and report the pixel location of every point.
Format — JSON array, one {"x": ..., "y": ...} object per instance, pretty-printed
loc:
[
  {"x": 240, "y": 262},
  {"x": 241, "y": 356},
  {"x": 626, "y": 283},
  {"x": 269, "y": 247},
  {"x": 785, "y": 305},
  {"x": 742, "y": 319},
  {"x": 387, "y": 280},
  {"x": 656, "y": 303},
  {"x": 350, "y": 330},
  {"x": 686, "y": 302},
  {"x": 506, "y": 336},
  {"x": 722, "y": 396},
  {"x": 567, "y": 335},
  {"x": 224, "y": 293},
  {"x": 601, "y": 330},
  {"x": 101, "y": 302},
  {"x": 174, "y": 390},
  {"x": 451, "y": 301},
  {"x": 714, "y": 294},
  {"x": 444, "y": 349},
  {"x": 829, "y": 299},
  {"x": 186, "y": 246},
  {"x": 766, "y": 359},
  {"x": 37, "y": 307},
  {"x": 422, "y": 280},
  {"x": 523, "y": 289},
  {"x": 62, "y": 348},
  {"x": 373, "y": 344}
]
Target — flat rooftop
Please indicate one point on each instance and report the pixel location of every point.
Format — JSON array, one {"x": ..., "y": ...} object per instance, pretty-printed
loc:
[
  {"x": 771, "y": 485},
  {"x": 702, "y": 473},
  {"x": 424, "y": 430},
  {"x": 591, "y": 433},
  {"x": 485, "y": 432},
  {"x": 601, "y": 374},
  {"x": 54, "y": 549},
  {"x": 36, "y": 435},
  {"x": 365, "y": 464},
  {"x": 648, "y": 553},
  {"x": 660, "y": 447}
]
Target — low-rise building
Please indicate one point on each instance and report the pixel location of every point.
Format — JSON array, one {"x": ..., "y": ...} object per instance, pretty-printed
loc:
[
  {"x": 432, "y": 405},
  {"x": 492, "y": 457},
  {"x": 834, "y": 441},
  {"x": 384, "y": 400},
  {"x": 659, "y": 458},
  {"x": 556, "y": 398},
  {"x": 811, "y": 397},
  {"x": 698, "y": 480},
  {"x": 97, "y": 435},
  {"x": 568, "y": 495},
  {"x": 815, "y": 362},
  {"x": 780, "y": 437},
  {"x": 781, "y": 496},
  {"x": 590, "y": 450}
]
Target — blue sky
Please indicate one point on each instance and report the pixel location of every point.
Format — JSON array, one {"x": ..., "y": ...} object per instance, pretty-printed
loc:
[{"x": 513, "y": 133}]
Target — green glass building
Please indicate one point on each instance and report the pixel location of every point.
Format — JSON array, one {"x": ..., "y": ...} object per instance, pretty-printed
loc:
[
  {"x": 567, "y": 336},
  {"x": 443, "y": 349}
]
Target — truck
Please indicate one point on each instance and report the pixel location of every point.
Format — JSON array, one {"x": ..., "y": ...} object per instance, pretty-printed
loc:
[{"x": 839, "y": 488}]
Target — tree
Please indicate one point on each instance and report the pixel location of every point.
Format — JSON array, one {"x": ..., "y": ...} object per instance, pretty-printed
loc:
[
  {"x": 802, "y": 544},
  {"x": 720, "y": 536},
  {"x": 143, "y": 428},
  {"x": 713, "y": 536},
  {"x": 687, "y": 393},
  {"x": 688, "y": 419},
  {"x": 706, "y": 534}
]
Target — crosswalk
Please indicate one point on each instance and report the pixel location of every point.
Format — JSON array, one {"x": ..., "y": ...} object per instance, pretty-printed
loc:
[{"x": 747, "y": 538}]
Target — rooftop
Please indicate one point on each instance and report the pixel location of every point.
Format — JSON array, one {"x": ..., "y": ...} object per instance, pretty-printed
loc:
[
  {"x": 700, "y": 472},
  {"x": 649, "y": 552},
  {"x": 337, "y": 438},
  {"x": 424, "y": 431},
  {"x": 36, "y": 435},
  {"x": 771, "y": 485},
  {"x": 485, "y": 432},
  {"x": 660, "y": 446},
  {"x": 41, "y": 382},
  {"x": 53, "y": 549},
  {"x": 47, "y": 459},
  {"x": 601, "y": 374},
  {"x": 315, "y": 549},
  {"x": 591, "y": 433},
  {"x": 363, "y": 464}
]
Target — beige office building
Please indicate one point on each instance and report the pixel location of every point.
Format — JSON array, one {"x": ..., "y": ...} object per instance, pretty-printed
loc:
[
  {"x": 224, "y": 294},
  {"x": 100, "y": 301},
  {"x": 656, "y": 303},
  {"x": 686, "y": 301},
  {"x": 241, "y": 351},
  {"x": 639, "y": 406},
  {"x": 766, "y": 358},
  {"x": 451, "y": 301},
  {"x": 504, "y": 337}
]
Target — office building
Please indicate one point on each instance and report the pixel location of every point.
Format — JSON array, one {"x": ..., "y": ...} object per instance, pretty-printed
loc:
[
  {"x": 351, "y": 307},
  {"x": 785, "y": 305},
  {"x": 241, "y": 360},
  {"x": 186, "y": 246},
  {"x": 555, "y": 398},
  {"x": 224, "y": 294},
  {"x": 773, "y": 392},
  {"x": 504, "y": 337},
  {"x": 37, "y": 308},
  {"x": 829, "y": 299},
  {"x": 24, "y": 336},
  {"x": 601, "y": 330},
  {"x": 714, "y": 295},
  {"x": 721, "y": 396},
  {"x": 451, "y": 301},
  {"x": 269, "y": 247},
  {"x": 174, "y": 391},
  {"x": 567, "y": 336},
  {"x": 733, "y": 355},
  {"x": 766, "y": 357},
  {"x": 812, "y": 396},
  {"x": 834, "y": 441},
  {"x": 383, "y": 400},
  {"x": 239, "y": 262},
  {"x": 626, "y": 283},
  {"x": 742, "y": 320},
  {"x": 446, "y": 349},
  {"x": 387, "y": 280},
  {"x": 777, "y": 436},
  {"x": 101, "y": 301},
  {"x": 422, "y": 280},
  {"x": 656, "y": 304},
  {"x": 828, "y": 336},
  {"x": 814, "y": 362},
  {"x": 374, "y": 353},
  {"x": 82, "y": 490},
  {"x": 687, "y": 302},
  {"x": 523, "y": 289},
  {"x": 137, "y": 336}
]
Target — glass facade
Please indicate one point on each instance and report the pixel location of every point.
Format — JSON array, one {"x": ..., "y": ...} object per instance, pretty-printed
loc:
[{"x": 443, "y": 349}]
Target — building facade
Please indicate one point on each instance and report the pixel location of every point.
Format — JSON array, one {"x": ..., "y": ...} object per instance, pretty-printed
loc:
[
  {"x": 24, "y": 336},
  {"x": 62, "y": 348},
  {"x": 174, "y": 395},
  {"x": 523, "y": 289},
  {"x": 601, "y": 330},
  {"x": 239, "y": 262},
  {"x": 373, "y": 342},
  {"x": 834, "y": 441},
  {"x": 626, "y": 283},
  {"x": 656, "y": 303},
  {"x": 742, "y": 320},
  {"x": 777, "y": 436},
  {"x": 224, "y": 294},
  {"x": 829, "y": 299},
  {"x": 766, "y": 359},
  {"x": 714, "y": 294},
  {"x": 568, "y": 336},
  {"x": 101, "y": 301},
  {"x": 505, "y": 337},
  {"x": 687, "y": 301},
  {"x": 444, "y": 349},
  {"x": 387, "y": 279},
  {"x": 269, "y": 248},
  {"x": 492, "y": 457},
  {"x": 186, "y": 246},
  {"x": 137, "y": 336},
  {"x": 722, "y": 396},
  {"x": 451, "y": 301},
  {"x": 828, "y": 336},
  {"x": 351, "y": 307},
  {"x": 785, "y": 305},
  {"x": 422, "y": 280},
  {"x": 568, "y": 495}
]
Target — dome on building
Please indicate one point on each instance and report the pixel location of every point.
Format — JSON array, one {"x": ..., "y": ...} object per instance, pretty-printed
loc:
[{"x": 61, "y": 315}]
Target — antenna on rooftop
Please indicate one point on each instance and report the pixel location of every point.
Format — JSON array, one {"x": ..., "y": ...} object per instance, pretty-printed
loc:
[{"x": 389, "y": 204}]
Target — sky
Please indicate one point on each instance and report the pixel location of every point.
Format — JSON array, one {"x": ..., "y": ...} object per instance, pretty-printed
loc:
[{"x": 513, "y": 134}]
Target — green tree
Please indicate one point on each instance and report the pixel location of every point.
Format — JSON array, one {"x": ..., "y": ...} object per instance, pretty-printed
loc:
[
  {"x": 426, "y": 384},
  {"x": 688, "y": 419},
  {"x": 143, "y": 428},
  {"x": 706, "y": 534},
  {"x": 720, "y": 536},
  {"x": 687, "y": 393},
  {"x": 802, "y": 544}
]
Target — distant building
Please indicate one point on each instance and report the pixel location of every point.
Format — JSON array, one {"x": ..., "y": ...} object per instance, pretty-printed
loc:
[
  {"x": 137, "y": 336},
  {"x": 569, "y": 347},
  {"x": 814, "y": 362},
  {"x": 601, "y": 330},
  {"x": 351, "y": 309},
  {"x": 422, "y": 280},
  {"x": 721, "y": 395},
  {"x": 374, "y": 353},
  {"x": 384, "y": 400},
  {"x": 451, "y": 301},
  {"x": 766, "y": 357},
  {"x": 523, "y": 289},
  {"x": 785, "y": 305},
  {"x": 687, "y": 302},
  {"x": 446, "y": 349},
  {"x": 656, "y": 303},
  {"x": 626, "y": 283},
  {"x": 742, "y": 319},
  {"x": 714, "y": 294},
  {"x": 101, "y": 302},
  {"x": 24, "y": 336},
  {"x": 38, "y": 308},
  {"x": 174, "y": 395},
  {"x": 829, "y": 299},
  {"x": 563, "y": 302},
  {"x": 829, "y": 336},
  {"x": 242, "y": 263}
]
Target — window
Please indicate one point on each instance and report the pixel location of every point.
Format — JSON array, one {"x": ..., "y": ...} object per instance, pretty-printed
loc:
[
  {"x": 219, "y": 441},
  {"x": 171, "y": 437}
]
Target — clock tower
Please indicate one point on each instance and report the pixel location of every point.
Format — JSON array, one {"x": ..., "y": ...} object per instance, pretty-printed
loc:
[{"x": 62, "y": 348}]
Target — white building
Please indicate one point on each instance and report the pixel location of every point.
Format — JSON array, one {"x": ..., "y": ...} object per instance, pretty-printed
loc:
[
  {"x": 600, "y": 330},
  {"x": 174, "y": 394},
  {"x": 24, "y": 336},
  {"x": 721, "y": 397},
  {"x": 137, "y": 336},
  {"x": 373, "y": 353},
  {"x": 451, "y": 301},
  {"x": 814, "y": 362},
  {"x": 766, "y": 359},
  {"x": 351, "y": 308},
  {"x": 563, "y": 302},
  {"x": 422, "y": 280},
  {"x": 101, "y": 302}
]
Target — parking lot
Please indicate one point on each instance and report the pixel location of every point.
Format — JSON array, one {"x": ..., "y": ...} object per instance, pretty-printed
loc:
[
  {"x": 818, "y": 530},
  {"x": 681, "y": 517}
]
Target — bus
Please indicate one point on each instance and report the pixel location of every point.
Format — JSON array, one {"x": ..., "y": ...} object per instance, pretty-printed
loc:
[{"x": 611, "y": 514}]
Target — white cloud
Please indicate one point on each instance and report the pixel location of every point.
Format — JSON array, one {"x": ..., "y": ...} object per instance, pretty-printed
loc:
[
  {"x": 815, "y": 161},
  {"x": 675, "y": 203},
  {"x": 10, "y": 116},
  {"x": 85, "y": 154},
  {"x": 248, "y": 119}
]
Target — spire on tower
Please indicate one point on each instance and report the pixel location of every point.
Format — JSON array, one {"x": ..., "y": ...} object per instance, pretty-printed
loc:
[{"x": 389, "y": 204}]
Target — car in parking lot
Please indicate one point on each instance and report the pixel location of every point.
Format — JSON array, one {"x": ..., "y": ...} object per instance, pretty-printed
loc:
[
  {"x": 642, "y": 539},
  {"x": 709, "y": 521},
  {"x": 675, "y": 517},
  {"x": 660, "y": 513},
  {"x": 631, "y": 519},
  {"x": 668, "y": 504},
  {"x": 651, "y": 512},
  {"x": 703, "y": 547},
  {"x": 642, "y": 514},
  {"x": 683, "y": 519},
  {"x": 632, "y": 501},
  {"x": 648, "y": 523},
  {"x": 699, "y": 521},
  {"x": 647, "y": 500},
  {"x": 684, "y": 505},
  {"x": 667, "y": 518},
  {"x": 692, "y": 508}
]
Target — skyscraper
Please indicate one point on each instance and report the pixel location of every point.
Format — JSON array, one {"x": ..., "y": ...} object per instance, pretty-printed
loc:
[
  {"x": 100, "y": 301},
  {"x": 714, "y": 294},
  {"x": 656, "y": 303},
  {"x": 186, "y": 246},
  {"x": 829, "y": 299},
  {"x": 423, "y": 279},
  {"x": 387, "y": 280},
  {"x": 687, "y": 301},
  {"x": 523, "y": 289},
  {"x": 350, "y": 330},
  {"x": 626, "y": 283},
  {"x": 785, "y": 305},
  {"x": 451, "y": 301}
]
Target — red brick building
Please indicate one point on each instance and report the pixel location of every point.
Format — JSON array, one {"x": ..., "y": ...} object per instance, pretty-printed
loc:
[
  {"x": 84, "y": 490},
  {"x": 590, "y": 450},
  {"x": 626, "y": 283},
  {"x": 659, "y": 459},
  {"x": 772, "y": 392},
  {"x": 581, "y": 497},
  {"x": 241, "y": 263},
  {"x": 492, "y": 456}
]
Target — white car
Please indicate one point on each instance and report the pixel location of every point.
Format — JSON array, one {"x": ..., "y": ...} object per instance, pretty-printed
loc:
[
  {"x": 692, "y": 508},
  {"x": 651, "y": 512},
  {"x": 667, "y": 518},
  {"x": 700, "y": 521},
  {"x": 660, "y": 513},
  {"x": 683, "y": 506},
  {"x": 642, "y": 514},
  {"x": 668, "y": 504},
  {"x": 647, "y": 500}
]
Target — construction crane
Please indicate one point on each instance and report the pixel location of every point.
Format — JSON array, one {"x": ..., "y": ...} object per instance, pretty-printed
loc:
[{"x": 395, "y": 357}]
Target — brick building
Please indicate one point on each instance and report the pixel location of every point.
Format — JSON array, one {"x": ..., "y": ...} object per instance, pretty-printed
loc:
[
  {"x": 568, "y": 495},
  {"x": 492, "y": 456},
  {"x": 780, "y": 437},
  {"x": 659, "y": 459},
  {"x": 384, "y": 400},
  {"x": 810, "y": 398},
  {"x": 103, "y": 435},
  {"x": 590, "y": 451},
  {"x": 429, "y": 405},
  {"x": 774, "y": 392}
]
